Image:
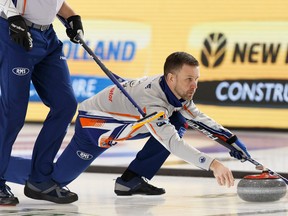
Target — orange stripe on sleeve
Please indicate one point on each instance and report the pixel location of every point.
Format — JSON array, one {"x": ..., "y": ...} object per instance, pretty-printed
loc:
[{"x": 187, "y": 110}]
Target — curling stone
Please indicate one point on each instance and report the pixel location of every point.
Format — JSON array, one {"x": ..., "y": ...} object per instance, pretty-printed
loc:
[{"x": 263, "y": 187}]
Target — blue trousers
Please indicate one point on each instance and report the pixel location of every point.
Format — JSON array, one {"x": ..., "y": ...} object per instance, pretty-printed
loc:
[
  {"x": 81, "y": 152},
  {"x": 45, "y": 66}
]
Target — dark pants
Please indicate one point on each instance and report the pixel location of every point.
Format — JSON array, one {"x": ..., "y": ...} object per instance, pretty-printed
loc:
[
  {"x": 81, "y": 152},
  {"x": 45, "y": 67}
]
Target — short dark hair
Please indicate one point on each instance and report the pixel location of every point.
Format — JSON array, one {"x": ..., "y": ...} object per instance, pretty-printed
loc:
[{"x": 176, "y": 60}]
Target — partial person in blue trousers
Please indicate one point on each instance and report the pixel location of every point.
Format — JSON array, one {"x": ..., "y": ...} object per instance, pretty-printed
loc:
[
  {"x": 31, "y": 51},
  {"x": 109, "y": 117}
]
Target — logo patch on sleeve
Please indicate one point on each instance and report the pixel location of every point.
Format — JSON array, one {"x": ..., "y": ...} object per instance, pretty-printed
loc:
[
  {"x": 181, "y": 131},
  {"x": 202, "y": 159}
]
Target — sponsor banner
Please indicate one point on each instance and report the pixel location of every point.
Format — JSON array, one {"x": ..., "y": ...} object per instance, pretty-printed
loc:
[
  {"x": 123, "y": 46},
  {"x": 241, "y": 50},
  {"x": 244, "y": 93},
  {"x": 243, "y": 72},
  {"x": 243, "y": 54}
]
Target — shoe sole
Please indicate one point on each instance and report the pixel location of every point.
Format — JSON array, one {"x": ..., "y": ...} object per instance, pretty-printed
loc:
[
  {"x": 40, "y": 196},
  {"x": 2, "y": 204},
  {"x": 10, "y": 202},
  {"x": 123, "y": 193},
  {"x": 129, "y": 193}
]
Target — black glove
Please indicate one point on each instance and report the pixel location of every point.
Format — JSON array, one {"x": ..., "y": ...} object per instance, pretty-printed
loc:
[
  {"x": 76, "y": 28},
  {"x": 19, "y": 32}
]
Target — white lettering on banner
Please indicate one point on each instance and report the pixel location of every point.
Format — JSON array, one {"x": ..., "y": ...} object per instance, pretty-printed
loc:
[
  {"x": 84, "y": 87},
  {"x": 105, "y": 50},
  {"x": 33, "y": 92},
  {"x": 258, "y": 92}
]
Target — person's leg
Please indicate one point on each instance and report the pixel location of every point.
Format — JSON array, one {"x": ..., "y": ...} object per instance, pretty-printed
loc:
[
  {"x": 146, "y": 164},
  {"x": 78, "y": 155},
  {"x": 52, "y": 82},
  {"x": 18, "y": 170},
  {"x": 15, "y": 74},
  {"x": 75, "y": 158},
  {"x": 150, "y": 159}
]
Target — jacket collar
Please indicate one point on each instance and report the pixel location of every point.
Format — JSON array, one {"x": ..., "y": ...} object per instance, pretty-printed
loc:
[{"x": 172, "y": 99}]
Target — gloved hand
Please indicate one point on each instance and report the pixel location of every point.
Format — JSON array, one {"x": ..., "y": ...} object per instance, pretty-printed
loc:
[
  {"x": 19, "y": 32},
  {"x": 240, "y": 152},
  {"x": 76, "y": 28}
]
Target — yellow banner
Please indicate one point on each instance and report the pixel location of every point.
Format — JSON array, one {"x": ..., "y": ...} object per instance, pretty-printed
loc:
[{"x": 242, "y": 48}]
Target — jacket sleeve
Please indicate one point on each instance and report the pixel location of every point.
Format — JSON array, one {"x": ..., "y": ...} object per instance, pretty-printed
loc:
[
  {"x": 167, "y": 135},
  {"x": 190, "y": 111}
]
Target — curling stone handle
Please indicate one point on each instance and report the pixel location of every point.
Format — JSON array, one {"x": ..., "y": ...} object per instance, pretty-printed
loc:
[{"x": 256, "y": 163}]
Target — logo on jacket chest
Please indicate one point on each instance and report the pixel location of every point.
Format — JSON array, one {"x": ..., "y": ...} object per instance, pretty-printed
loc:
[{"x": 111, "y": 92}]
